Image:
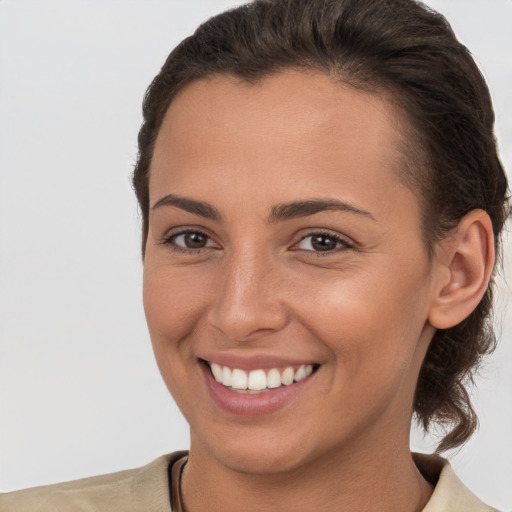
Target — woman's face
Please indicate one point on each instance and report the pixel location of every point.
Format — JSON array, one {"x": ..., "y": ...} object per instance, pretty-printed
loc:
[{"x": 281, "y": 238}]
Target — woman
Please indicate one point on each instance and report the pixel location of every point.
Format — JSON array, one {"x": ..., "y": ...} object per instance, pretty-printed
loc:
[{"x": 322, "y": 203}]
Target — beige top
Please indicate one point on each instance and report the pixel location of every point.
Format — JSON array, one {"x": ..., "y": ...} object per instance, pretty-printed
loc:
[{"x": 146, "y": 489}]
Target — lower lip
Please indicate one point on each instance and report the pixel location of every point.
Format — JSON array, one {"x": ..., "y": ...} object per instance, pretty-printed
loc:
[{"x": 245, "y": 404}]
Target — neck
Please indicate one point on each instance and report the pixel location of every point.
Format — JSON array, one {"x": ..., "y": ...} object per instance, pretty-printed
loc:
[{"x": 385, "y": 480}]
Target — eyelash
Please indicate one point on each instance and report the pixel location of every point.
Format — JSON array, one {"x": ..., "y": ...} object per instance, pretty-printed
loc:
[
  {"x": 169, "y": 240},
  {"x": 344, "y": 244}
]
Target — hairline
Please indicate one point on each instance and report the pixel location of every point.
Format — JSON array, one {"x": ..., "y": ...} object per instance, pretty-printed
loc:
[{"x": 413, "y": 157}]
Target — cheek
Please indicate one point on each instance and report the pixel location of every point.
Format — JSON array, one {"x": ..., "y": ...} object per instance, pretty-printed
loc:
[
  {"x": 173, "y": 304},
  {"x": 173, "y": 301},
  {"x": 372, "y": 329},
  {"x": 367, "y": 319}
]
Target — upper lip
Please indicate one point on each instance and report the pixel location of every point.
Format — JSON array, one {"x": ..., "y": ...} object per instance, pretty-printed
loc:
[{"x": 253, "y": 362}]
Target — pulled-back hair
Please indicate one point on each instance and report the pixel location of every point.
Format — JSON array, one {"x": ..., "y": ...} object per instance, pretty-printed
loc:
[{"x": 402, "y": 49}]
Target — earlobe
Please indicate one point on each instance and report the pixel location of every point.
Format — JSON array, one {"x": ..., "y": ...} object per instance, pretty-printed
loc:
[{"x": 468, "y": 260}]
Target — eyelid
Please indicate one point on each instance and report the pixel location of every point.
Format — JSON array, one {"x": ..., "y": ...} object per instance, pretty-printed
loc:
[
  {"x": 347, "y": 243},
  {"x": 173, "y": 233}
]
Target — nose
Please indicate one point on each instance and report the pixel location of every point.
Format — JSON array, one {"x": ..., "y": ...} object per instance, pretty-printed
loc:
[{"x": 247, "y": 302}]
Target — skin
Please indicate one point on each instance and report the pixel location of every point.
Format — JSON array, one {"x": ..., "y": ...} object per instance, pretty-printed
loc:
[{"x": 362, "y": 311}]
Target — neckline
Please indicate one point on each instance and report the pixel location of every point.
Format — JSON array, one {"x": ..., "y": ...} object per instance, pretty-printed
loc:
[
  {"x": 175, "y": 475},
  {"x": 429, "y": 466}
]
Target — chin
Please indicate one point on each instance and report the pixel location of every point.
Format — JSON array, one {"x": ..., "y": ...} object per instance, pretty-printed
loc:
[
  {"x": 260, "y": 462},
  {"x": 257, "y": 453}
]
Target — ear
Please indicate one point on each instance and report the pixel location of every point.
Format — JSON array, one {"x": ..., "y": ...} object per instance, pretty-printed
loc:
[{"x": 464, "y": 264}]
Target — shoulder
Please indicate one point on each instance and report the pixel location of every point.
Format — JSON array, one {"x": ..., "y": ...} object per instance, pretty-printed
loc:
[
  {"x": 145, "y": 488},
  {"x": 450, "y": 494}
]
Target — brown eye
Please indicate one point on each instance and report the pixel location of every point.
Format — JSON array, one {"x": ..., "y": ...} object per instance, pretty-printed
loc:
[
  {"x": 195, "y": 240},
  {"x": 190, "y": 240},
  {"x": 322, "y": 242}
]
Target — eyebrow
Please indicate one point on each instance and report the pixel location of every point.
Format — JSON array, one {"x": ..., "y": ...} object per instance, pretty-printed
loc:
[
  {"x": 297, "y": 209},
  {"x": 280, "y": 212},
  {"x": 200, "y": 208}
]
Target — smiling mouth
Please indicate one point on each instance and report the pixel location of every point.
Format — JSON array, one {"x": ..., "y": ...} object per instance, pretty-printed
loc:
[{"x": 260, "y": 380}]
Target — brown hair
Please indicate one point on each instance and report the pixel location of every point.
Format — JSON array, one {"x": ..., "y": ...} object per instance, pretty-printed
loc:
[{"x": 398, "y": 47}]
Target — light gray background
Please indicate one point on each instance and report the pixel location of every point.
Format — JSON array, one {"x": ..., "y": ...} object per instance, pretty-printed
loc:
[{"x": 80, "y": 392}]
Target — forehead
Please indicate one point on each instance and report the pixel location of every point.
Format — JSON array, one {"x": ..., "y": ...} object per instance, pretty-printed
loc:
[{"x": 292, "y": 128}]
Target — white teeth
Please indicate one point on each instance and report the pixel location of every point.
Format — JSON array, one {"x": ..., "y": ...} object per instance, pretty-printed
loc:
[
  {"x": 300, "y": 373},
  {"x": 258, "y": 380},
  {"x": 238, "y": 379},
  {"x": 287, "y": 376},
  {"x": 217, "y": 371},
  {"x": 226, "y": 376},
  {"x": 273, "y": 378}
]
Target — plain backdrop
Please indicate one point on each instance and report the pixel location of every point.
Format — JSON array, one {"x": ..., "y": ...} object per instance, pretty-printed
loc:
[{"x": 80, "y": 393}]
